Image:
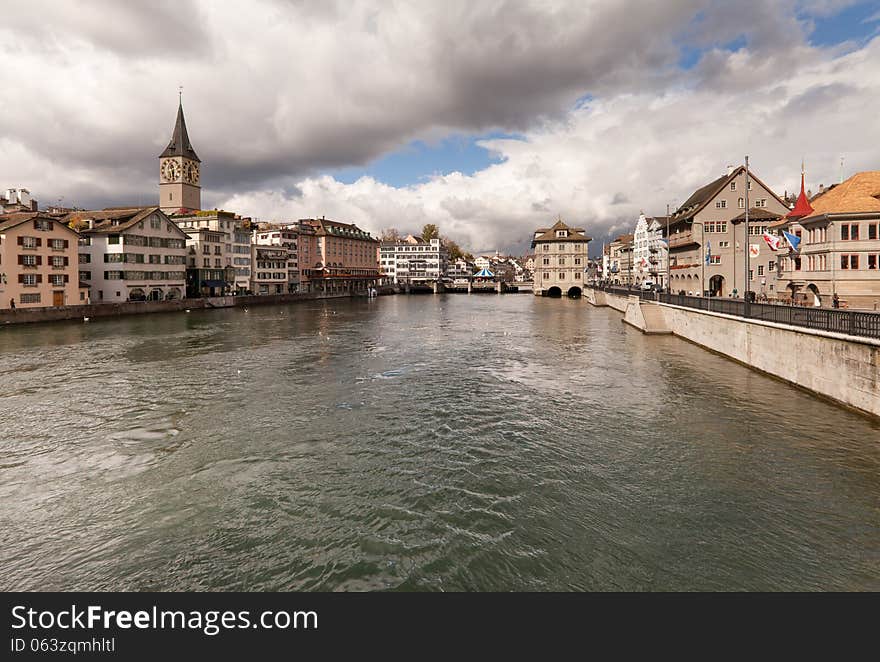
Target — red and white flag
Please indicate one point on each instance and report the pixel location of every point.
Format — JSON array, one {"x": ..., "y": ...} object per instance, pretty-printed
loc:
[{"x": 772, "y": 241}]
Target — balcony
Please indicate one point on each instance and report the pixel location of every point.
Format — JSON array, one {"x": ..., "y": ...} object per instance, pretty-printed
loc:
[{"x": 682, "y": 239}]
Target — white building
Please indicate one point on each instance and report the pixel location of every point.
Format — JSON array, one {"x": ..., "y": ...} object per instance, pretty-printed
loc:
[
  {"x": 285, "y": 236},
  {"x": 649, "y": 251},
  {"x": 130, "y": 254},
  {"x": 413, "y": 261},
  {"x": 16, "y": 199}
]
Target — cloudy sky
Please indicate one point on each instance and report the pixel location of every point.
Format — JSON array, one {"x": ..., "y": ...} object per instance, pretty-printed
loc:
[{"x": 487, "y": 118}]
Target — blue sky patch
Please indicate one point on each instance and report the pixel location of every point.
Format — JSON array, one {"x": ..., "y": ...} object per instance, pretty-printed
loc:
[
  {"x": 857, "y": 23},
  {"x": 419, "y": 160}
]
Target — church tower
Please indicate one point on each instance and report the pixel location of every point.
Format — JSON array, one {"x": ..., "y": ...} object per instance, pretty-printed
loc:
[{"x": 179, "y": 173}]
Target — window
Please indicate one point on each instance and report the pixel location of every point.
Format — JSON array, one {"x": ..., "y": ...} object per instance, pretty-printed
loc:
[
  {"x": 562, "y": 233},
  {"x": 29, "y": 242},
  {"x": 561, "y": 247},
  {"x": 30, "y": 298},
  {"x": 715, "y": 226},
  {"x": 761, "y": 203},
  {"x": 872, "y": 261},
  {"x": 113, "y": 239},
  {"x": 156, "y": 223},
  {"x": 58, "y": 244},
  {"x": 155, "y": 259},
  {"x": 723, "y": 244},
  {"x": 733, "y": 185},
  {"x": 40, "y": 224},
  {"x": 849, "y": 232},
  {"x": 797, "y": 264},
  {"x": 849, "y": 261},
  {"x": 57, "y": 280},
  {"x": 562, "y": 262},
  {"x": 546, "y": 275},
  {"x": 714, "y": 259},
  {"x": 577, "y": 261},
  {"x": 547, "y": 261},
  {"x": 28, "y": 280},
  {"x": 28, "y": 260},
  {"x": 85, "y": 275},
  {"x": 751, "y": 274},
  {"x": 561, "y": 275},
  {"x": 721, "y": 204},
  {"x": 58, "y": 261},
  {"x": 546, "y": 247},
  {"x": 741, "y": 203},
  {"x": 771, "y": 266},
  {"x": 761, "y": 270},
  {"x": 577, "y": 275}
]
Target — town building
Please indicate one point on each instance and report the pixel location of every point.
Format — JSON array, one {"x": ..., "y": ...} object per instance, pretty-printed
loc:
[
  {"x": 346, "y": 258},
  {"x": 134, "y": 254},
  {"x": 649, "y": 251},
  {"x": 621, "y": 261},
  {"x": 459, "y": 269},
  {"x": 270, "y": 270},
  {"x": 561, "y": 252},
  {"x": 16, "y": 200},
  {"x": 707, "y": 238},
  {"x": 180, "y": 189},
  {"x": 839, "y": 252},
  {"x": 413, "y": 261},
  {"x": 234, "y": 256},
  {"x": 38, "y": 262},
  {"x": 283, "y": 236}
]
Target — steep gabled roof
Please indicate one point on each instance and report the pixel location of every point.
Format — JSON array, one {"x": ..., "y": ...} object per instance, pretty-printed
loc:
[
  {"x": 549, "y": 234},
  {"x": 180, "y": 144},
  {"x": 858, "y": 194},
  {"x": 116, "y": 220},
  {"x": 704, "y": 195},
  {"x": 9, "y": 221}
]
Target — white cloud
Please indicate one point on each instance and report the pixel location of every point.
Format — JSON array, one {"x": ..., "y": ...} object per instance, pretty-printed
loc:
[{"x": 605, "y": 162}]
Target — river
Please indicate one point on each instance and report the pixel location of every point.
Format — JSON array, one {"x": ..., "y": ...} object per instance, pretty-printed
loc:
[{"x": 448, "y": 442}]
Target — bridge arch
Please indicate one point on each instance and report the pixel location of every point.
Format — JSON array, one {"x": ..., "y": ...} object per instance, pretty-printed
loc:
[
  {"x": 554, "y": 292},
  {"x": 574, "y": 292}
]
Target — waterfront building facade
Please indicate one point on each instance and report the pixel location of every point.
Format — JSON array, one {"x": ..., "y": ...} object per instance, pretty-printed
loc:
[
  {"x": 620, "y": 260},
  {"x": 707, "y": 238},
  {"x": 413, "y": 261},
  {"x": 839, "y": 252},
  {"x": 649, "y": 251},
  {"x": 346, "y": 258},
  {"x": 38, "y": 262},
  {"x": 270, "y": 273},
  {"x": 135, "y": 254},
  {"x": 561, "y": 256},
  {"x": 283, "y": 236},
  {"x": 235, "y": 248}
]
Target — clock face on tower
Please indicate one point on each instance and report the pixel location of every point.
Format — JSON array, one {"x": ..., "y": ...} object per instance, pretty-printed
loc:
[
  {"x": 170, "y": 171},
  {"x": 191, "y": 172}
]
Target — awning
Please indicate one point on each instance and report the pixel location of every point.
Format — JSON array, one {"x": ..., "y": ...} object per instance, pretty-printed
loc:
[
  {"x": 484, "y": 273},
  {"x": 213, "y": 283}
]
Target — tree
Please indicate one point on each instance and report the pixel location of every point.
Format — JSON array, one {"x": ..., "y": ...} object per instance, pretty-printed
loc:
[
  {"x": 390, "y": 234},
  {"x": 469, "y": 257},
  {"x": 430, "y": 232},
  {"x": 453, "y": 249}
]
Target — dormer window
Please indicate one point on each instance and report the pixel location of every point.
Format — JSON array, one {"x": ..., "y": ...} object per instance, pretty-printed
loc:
[{"x": 562, "y": 233}]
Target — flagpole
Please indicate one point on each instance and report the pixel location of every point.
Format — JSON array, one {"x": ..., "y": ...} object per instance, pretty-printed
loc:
[
  {"x": 668, "y": 283},
  {"x": 746, "y": 246}
]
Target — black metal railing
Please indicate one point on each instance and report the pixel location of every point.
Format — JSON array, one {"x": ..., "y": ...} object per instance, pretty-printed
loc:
[{"x": 849, "y": 322}]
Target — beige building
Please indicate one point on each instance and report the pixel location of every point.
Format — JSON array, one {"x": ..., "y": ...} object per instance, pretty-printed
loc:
[
  {"x": 839, "y": 251},
  {"x": 234, "y": 256},
  {"x": 560, "y": 260},
  {"x": 286, "y": 237},
  {"x": 134, "y": 254},
  {"x": 621, "y": 260},
  {"x": 710, "y": 224},
  {"x": 38, "y": 262}
]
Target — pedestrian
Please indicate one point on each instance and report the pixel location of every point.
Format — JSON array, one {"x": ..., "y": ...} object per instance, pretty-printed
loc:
[
  {"x": 12, "y": 304},
  {"x": 835, "y": 301}
]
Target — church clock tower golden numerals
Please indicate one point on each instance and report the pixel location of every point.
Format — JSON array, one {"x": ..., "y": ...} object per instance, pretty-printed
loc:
[{"x": 170, "y": 171}]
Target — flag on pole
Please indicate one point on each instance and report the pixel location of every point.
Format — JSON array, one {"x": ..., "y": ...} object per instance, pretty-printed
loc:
[
  {"x": 708, "y": 251},
  {"x": 754, "y": 250},
  {"x": 793, "y": 240},
  {"x": 772, "y": 241}
]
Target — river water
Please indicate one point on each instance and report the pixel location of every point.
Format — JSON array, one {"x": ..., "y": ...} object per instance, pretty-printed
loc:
[{"x": 446, "y": 442}]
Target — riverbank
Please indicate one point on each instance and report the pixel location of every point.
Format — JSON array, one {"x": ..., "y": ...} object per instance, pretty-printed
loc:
[
  {"x": 840, "y": 367},
  {"x": 104, "y": 310}
]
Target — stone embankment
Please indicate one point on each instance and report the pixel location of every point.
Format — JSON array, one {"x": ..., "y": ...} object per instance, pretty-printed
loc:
[{"x": 839, "y": 367}]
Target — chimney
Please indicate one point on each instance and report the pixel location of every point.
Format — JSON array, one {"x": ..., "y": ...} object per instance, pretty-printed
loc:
[{"x": 729, "y": 170}]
